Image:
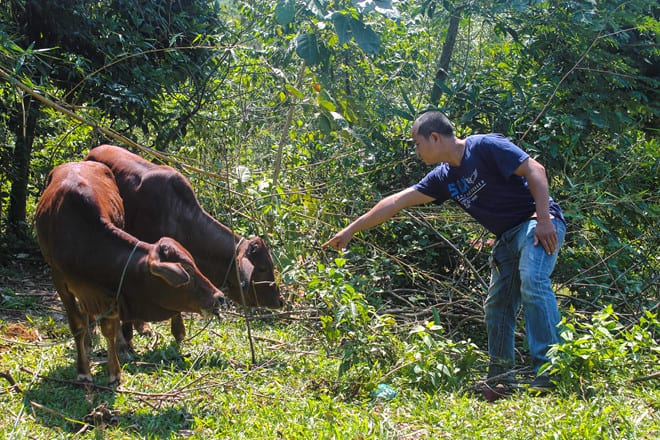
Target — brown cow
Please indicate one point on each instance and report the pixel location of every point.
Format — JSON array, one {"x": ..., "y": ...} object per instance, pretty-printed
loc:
[
  {"x": 102, "y": 272},
  {"x": 159, "y": 201}
]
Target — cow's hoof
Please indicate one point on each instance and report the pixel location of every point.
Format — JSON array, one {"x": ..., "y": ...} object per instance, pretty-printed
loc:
[
  {"x": 113, "y": 382},
  {"x": 84, "y": 379}
]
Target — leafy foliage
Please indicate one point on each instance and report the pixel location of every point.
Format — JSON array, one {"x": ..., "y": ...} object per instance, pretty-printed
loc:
[
  {"x": 436, "y": 362},
  {"x": 364, "y": 338},
  {"x": 348, "y": 22},
  {"x": 601, "y": 353},
  {"x": 126, "y": 57}
]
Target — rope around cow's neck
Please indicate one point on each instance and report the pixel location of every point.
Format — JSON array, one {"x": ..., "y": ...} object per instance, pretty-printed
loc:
[
  {"x": 238, "y": 275},
  {"x": 121, "y": 284},
  {"x": 123, "y": 272},
  {"x": 234, "y": 259}
]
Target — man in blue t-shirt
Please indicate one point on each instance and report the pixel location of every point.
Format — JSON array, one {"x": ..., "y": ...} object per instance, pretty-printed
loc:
[{"x": 506, "y": 191}]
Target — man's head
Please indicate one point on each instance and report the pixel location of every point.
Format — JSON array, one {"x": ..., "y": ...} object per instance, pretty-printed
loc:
[
  {"x": 435, "y": 140},
  {"x": 432, "y": 122}
]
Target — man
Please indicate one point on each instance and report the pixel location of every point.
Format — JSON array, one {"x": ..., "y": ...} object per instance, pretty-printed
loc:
[{"x": 506, "y": 191}]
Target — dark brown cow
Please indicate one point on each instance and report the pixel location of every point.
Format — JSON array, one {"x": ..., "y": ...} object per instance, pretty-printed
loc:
[
  {"x": 102, "y": 272},
  {"x": 159, "y": 201}
]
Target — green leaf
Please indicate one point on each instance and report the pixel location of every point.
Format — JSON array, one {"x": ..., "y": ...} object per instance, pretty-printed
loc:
[
  {"x": 341, "y": 22},
  {"x": 307, "y": 48},
  {"x": 293, "y": 91},
  {"x": 365, "y": 37},
  {"x": 402, "y": 114},
  {"x": 323, "y": 124},
  {"x": 285, "y": 12},
  {"x": 417, "y": 329},
  {"x": 411, "y": 109},
  {"x": 339, "y": 262},
  {"x": 326, "y": 103},
  {"x": 436, "y": 316}
]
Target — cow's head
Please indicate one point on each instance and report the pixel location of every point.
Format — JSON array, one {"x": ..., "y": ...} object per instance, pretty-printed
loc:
[
  {"x": 187, "y": 289},
  {"x": 257, "y": 273}
]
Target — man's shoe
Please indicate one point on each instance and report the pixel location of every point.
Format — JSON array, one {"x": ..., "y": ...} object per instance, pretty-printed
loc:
[
  {"x": 500, "y": 390},
  {"x": 542, "y": 384}
]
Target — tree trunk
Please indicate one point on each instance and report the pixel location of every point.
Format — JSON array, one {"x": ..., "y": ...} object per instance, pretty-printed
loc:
[
  {"x": 25, "y": 121},
  {"x": 445, "y": 57}
]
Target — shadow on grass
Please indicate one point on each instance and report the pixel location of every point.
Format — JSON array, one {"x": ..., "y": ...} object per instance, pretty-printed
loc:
[
  {"x": 56, "y": 401},
  {"x": 77, "y": 409}
]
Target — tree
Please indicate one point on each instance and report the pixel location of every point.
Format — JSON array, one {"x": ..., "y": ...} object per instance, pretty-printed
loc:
[
  {"x": 123, "y": 57},
  {"x": 447, "y": 52}
]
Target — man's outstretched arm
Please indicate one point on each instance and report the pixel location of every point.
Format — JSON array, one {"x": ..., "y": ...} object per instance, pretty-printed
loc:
[{"x": 380, "y": 213}]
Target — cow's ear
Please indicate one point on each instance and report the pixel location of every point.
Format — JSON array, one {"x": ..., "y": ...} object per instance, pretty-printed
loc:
[
  {"x": 246, "y": 268},
  {"x": 258, "y": 254},
  {"x": 172, "y": 273},
  {"x": 254, "y": 246}
]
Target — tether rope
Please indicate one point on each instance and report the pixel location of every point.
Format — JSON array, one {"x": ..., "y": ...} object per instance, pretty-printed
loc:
[
  {"x": 123, "y": 272},
  {"x": 238, "y": 273}
]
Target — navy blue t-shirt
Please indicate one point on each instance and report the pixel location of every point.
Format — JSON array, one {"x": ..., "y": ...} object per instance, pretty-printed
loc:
[{"x": 484, "y": 184}]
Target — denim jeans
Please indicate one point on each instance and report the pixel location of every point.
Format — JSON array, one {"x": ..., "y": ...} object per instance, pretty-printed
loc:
[{"x": 520, "y": 275}]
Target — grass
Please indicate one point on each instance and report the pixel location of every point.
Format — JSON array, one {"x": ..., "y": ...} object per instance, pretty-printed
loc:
[{"x": 209, "y": 388}]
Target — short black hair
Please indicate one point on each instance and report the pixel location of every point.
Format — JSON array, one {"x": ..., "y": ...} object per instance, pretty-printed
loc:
[{"x": 433, "y": 121}]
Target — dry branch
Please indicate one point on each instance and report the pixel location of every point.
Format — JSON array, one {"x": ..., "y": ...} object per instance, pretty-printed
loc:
[
  {"x": 102, "y": 129},
  {"x": 655, "y": 375},
  {"x": 13, "y": 384}
]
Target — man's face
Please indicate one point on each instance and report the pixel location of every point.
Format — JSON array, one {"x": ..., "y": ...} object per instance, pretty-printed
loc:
[{"x": 423, "y": 147}]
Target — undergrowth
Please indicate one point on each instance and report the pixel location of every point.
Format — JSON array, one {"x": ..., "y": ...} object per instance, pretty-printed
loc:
[{"x": 329, "y": 367}]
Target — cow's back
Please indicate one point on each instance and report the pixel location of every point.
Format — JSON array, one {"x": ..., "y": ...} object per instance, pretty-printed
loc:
[{"x": 80, "y": 203}]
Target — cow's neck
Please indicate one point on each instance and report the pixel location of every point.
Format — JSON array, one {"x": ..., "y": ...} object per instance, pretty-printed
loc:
[
  {"x": 122, "y": 251},
  {"x": 214, "y": 247}
]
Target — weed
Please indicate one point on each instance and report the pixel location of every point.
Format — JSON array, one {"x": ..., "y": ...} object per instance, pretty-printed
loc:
[{"x": 364, "y": 338}]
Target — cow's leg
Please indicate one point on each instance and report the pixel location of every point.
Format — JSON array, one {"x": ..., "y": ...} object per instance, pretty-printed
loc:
[
  {"x": 110, "y": 329},
  {"x": 87, "y": 335},
  {"x": 125, "y": 339},
  {"x": 178, "y": 328},
  {"x": 125, "y": 347},
  {"x": 78, "y": 323},
  {"x": 127, "y": 333}
]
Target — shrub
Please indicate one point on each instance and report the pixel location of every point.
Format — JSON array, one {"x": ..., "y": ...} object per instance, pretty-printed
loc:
[
  {"x": 600, "y": 352},
  {"x": 435, "y": 362},
  {"x": 349, "y": 322}
]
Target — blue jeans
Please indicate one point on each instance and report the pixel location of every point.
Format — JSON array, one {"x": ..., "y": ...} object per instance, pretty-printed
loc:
[{"x": 520, "y": 275}]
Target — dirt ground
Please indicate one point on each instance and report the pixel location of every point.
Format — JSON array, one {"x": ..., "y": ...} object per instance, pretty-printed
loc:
[{"x": 26, "y": 288}]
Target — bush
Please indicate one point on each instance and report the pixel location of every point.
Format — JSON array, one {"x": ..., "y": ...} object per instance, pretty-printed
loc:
[
  {"x": 434, "y": 362},
  {"x": 600, "y": 352},
  {"x": 349, "y": 322}
]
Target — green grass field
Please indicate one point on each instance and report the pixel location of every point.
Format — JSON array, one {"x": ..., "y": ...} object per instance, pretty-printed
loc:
[{"x": 210, "y": 388}]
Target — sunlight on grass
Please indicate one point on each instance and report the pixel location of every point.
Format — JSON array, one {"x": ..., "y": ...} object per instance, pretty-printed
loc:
[{"x": 209, "y": 388}]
